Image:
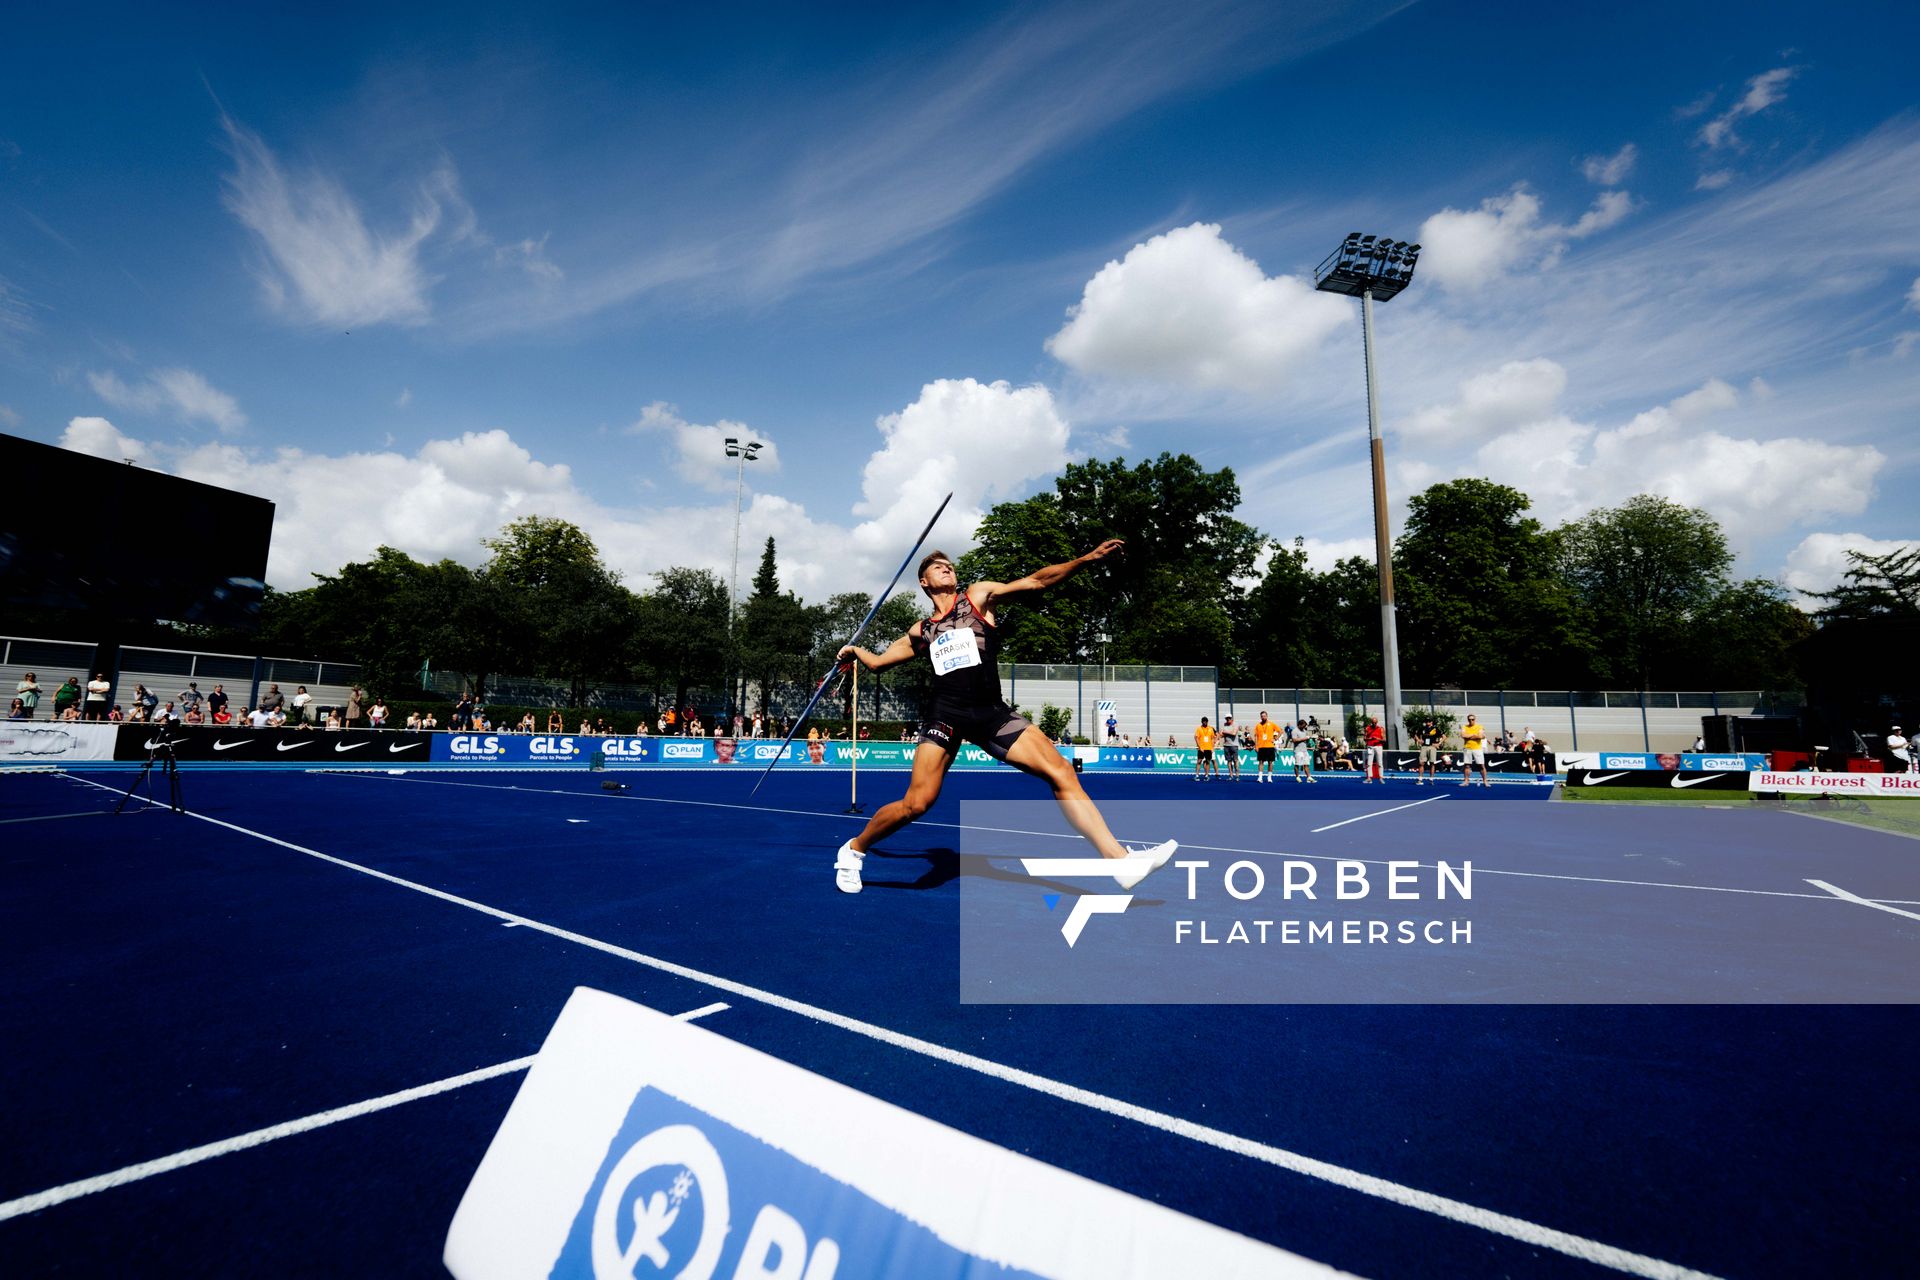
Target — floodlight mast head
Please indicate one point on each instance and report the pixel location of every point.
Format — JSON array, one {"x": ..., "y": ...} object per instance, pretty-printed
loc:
[{"x": 1367, "y": 264}]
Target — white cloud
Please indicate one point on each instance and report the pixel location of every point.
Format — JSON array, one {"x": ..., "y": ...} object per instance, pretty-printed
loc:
[
  {"x": 1569, "y": 467},
  {"x": 1762, "y": 92},
  {"x": 983, "y": 442},
  {"x": 699, "y": 453},
  {"x": 184, "y": 393},
  {"x": 1913, "y": 295},
  {"x": 1714, "y": 180},
  {"x": 8, "y": 417},
  {"x": 1610, "y": 171},
  {"x": 1324, "y": 553},
  {"x": 1188, "y": 308},
  {"x": 1464, "y": 250},
  {"x": 1819, "y": 562},
  {"x": 321, "y": 261},
  {"x": 404, "y": 399},
  {"x": 1518, "y": 392}
]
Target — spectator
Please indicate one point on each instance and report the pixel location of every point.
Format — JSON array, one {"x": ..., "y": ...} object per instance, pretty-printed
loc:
[
  {"x": 97, "y": 690},
  {"x": 170, "y": 713},
  {"x": 377, "y": 714},
  {"x": 813, "y": 733},
  {"x": 555, "y": 724},
  {"x": 301, "y": 699},
  {"x": 759, "y": 726},
  {"x": 413, "y": 720},
  {"x": 193, "y": 715},
  {"x": 1473, "y": 736},
  {"x": 334, "y": 723},
  {"x": 66, "y": 696},
  {"x": 1900, "y": 748},
  {"x": 667, "y": 722},
  {"x": 1700, "y": 743},
  {"x": 528, "y": 724},
  {"x": 353, "y": 704},
  {"x": 145, "y": 700},
  {"x": 277, "y": 718},
  {"x": 18, "y": 711},
  {"x": 586, "y": 728},
  {"x": 1300, "y": 739},
  {"x": 642, "y": 729},
  {"x": 217, "y": 703},
  {"x": 1343, "y": 755},
  {"x": 272, "y": 699},
  {"x": 116, "y": 715},
  {"x": 138, "y": 715},
  {"x": 260, "y": 717},
  {"x": 429, "y": 722},
  {"x": 1537, "y": 750},
  {"x": 221, "y": 715},
  {"x": 1113, "y": 728},
  {"x": 29, "y": 691},
  {"x": 190, "y": 697}
]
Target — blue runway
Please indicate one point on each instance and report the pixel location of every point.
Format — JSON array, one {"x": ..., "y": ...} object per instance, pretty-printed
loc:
[{"x": 306, "y": 942}]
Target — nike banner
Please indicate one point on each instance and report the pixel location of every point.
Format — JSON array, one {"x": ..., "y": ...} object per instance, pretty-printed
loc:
[
  {"x": 312, "y": 748},
  {"x": 1669, "y": 780}
]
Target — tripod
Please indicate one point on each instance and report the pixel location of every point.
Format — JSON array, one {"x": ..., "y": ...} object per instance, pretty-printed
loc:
[{"x": 160, "y": 752}]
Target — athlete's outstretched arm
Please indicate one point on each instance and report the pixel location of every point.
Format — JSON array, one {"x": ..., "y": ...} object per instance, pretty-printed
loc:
[
  {"x": 1052, "y": 575},
  {"x": 893, "y": 655}
]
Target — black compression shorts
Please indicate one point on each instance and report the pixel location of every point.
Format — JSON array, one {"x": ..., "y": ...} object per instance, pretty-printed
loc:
[
  {"x": 1266, "y": 755},
  {"x": 994, "y": 731}
]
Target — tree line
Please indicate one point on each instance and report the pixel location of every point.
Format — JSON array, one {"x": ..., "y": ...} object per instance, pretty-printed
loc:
[{"x": 1636, "y": 596}]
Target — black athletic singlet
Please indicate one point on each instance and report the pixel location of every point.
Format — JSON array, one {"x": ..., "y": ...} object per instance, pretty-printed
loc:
[{"x": 964, "y": 649}]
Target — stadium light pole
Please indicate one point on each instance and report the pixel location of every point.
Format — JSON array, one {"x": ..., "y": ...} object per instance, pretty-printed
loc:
[
  {"x": 742, "y": 453},
  {"x": 1369, "y": 267}
]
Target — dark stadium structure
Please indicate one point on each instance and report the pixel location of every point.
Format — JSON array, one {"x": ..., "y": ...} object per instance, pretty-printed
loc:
[{"x": 90, "y": 547}]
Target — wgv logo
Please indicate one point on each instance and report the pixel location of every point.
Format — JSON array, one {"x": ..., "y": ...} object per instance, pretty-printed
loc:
[
  {"x": 552, "y": 747},
  {"x": 467, "y": 744}
]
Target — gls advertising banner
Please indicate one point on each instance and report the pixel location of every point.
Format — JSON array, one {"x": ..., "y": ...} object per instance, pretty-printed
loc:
[
  {"x": 311, "y": 747},
  {"x": 640, "y": 1145}
]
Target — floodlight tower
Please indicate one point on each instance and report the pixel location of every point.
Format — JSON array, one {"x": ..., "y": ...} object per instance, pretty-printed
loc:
[
  {"x": 1369, "y": 267},
  {"x": 743, "y": 454}
]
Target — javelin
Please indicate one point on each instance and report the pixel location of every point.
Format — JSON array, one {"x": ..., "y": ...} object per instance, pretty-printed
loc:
[{"x": 837, "y": 666}]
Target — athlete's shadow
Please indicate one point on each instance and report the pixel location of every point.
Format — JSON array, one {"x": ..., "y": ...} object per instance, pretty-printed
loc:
[{"x": 944, "y": 866}]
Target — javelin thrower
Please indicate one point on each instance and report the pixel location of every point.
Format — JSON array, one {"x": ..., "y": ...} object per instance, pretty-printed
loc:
[{"x": 962, "y": 643}]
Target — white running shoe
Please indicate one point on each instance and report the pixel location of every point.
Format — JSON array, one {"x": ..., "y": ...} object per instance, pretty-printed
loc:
[
  {"x": 846, "y": 868},
  {"x": 1140, "y": 863}
]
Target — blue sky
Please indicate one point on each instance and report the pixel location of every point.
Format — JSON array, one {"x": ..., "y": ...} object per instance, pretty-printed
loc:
[{"x": 411, "y": 274}]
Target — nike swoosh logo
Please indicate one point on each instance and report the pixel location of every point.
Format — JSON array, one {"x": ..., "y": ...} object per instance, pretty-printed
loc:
[
  {"x": 154, "y": 744},
  {"x": 350, "y": 746},
  {"x": 228, "y": 746},
  {"x": 1593, "y": 778},
  {"x": 405, "y": 746},
  {"x": 1679, "y": 781},
  {"x": 292, "y": 746}
]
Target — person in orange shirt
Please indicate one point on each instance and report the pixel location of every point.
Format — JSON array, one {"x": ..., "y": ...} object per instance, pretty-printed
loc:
[
  {"x": 1266, "y": 738},
  {"x": 1203, "y": 764}
]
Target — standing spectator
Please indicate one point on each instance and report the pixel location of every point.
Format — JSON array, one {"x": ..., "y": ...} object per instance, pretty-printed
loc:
[
  {"x": 65, "y": 697},
  {"x": 1203, "y": 740},
  {"x": 1430, "y": 739},
  {"x": 29, "y": 691},
  {"x": 377, "y": 716},
  {"x": 1473, "y": 739},
  {"x": 1700, "y": 743},
  {"x": 190, "y": 697},
  {"x": 217, "y": 704},
  {"x": 272, "y": 700},
  {"x": 1537, "y": 750},
  {"x": 759, "y": 726},
  {"x": 353, "y": 706},
  {"x": 1113, "y": 727},
  {"x": 301, "y": 698},
  {"x": 1300, "y": 742},
  {"x": 1229, "y": 748},
  {"x": 97, "y": 690},
  {"x": 667, "y": 722},
  {"x": 462, "y": 714}
]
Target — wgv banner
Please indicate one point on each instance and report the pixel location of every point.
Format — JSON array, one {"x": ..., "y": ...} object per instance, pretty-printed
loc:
[
  {"x": 29, "y": 742},
  {"x": 312, "y": 748},
  {"x": 640, "y": 1145}
]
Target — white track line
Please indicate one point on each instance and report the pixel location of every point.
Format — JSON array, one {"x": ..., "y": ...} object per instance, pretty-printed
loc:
[
  {"x": 49, "y": 817},
  {"x": 305, "y": 1124},
  {"x": 1378, "y": 814},
  {"x": 1842, "y": 894},
  {"x": 1452, "y": 1210},
  {"x": 1068, "y": 835}
]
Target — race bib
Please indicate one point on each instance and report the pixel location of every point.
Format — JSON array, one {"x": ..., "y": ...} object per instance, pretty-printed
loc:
[{"x": 955, "y": 650}]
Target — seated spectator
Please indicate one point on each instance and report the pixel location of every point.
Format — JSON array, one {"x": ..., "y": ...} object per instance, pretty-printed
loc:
[
  {"x": 260, "y": 717},
  {"x": 138, "y": 715},
  {"x": 277, "y": 718},
  {"x": 554, "y": 722},
  {"x": 641, "y": 729},
  {"x": 170, "y": 712},
  {"x": 18, "y": 711},
  {"x": 222, "y": 716},
  {"x": 429, "y": 721},
  {"x": 527, "y": 723},
  {"x": 334, "y": 722},
  {"x": 115, "y": 716},
  {"x": 1343, "y": 755},
  {"x": 193, "y": 715},
  {"x": 413, "y": 720},
  {"x": 71, "y": 715},
  {"x": 586, "y": 728},
  {"x": 377, "y": 714},
  {"x": 813, "y": 733}
]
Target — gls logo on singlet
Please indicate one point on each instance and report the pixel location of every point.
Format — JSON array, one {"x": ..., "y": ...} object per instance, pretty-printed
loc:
[{"x": 955, "y": 650}]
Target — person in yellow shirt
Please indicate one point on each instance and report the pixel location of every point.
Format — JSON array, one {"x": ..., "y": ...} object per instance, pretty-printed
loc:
[
  {"x": 1203, "y": 765},
  {"x": 1473, "y": 741},
  {"x": 1266, "y": 737}
]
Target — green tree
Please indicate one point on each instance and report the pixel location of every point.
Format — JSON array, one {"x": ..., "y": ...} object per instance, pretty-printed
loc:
[
  {"x": 775, "y": 633},
  {"x": 1644, "y": 571},
  {"x": 562, "y": 606},
  {"x": 1876, "y": 586},
  {"x": 682, "y": 630},
  {"x": 1746, "y": 637},
  {"x": 1482, "y": 602},
  {"x": 1172, "y": 595}
]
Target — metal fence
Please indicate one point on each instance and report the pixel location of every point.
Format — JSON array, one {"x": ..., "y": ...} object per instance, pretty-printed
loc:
[{"x": 168, "y": 672}]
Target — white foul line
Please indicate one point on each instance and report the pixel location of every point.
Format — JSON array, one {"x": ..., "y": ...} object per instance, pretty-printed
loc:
[
  {"x": 305, "y": 1124},
  {"x": 1378, "y": 814},
  {"x": 1452, "y": 1210},
  {"x": 1068, "y": 835},
  {"x": 1838, "y": 892}
]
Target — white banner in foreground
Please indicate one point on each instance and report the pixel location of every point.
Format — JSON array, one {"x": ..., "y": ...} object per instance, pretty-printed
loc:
[
  {"x": 1837, "y": 784},
  {"x": 30, "y": 742},
  {"x": 637, "y": 1137}
]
